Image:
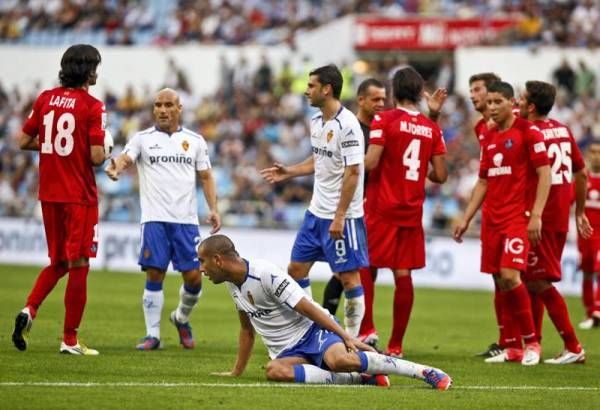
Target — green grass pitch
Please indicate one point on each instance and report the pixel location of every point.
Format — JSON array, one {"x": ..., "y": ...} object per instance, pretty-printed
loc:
[{"x": 446, "y": 329}]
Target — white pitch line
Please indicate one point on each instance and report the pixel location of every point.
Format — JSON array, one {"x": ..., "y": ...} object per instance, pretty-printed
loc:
[{"x": 278, "y": 385}]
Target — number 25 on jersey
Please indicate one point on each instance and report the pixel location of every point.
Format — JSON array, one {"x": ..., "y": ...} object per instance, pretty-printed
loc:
[{"x": 59, "y": 140}]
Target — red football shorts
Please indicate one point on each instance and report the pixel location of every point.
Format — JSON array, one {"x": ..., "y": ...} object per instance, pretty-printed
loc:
[
  {"x": 503, "y": 248},
  {"x": 71, "y": 230},
  {"x": 394, "y": 247},
  {"x": 544, "y": 260},
  {"x": 589, "y": 250}
]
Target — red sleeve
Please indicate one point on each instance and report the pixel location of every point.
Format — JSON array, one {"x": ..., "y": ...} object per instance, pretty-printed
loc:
[
  {"x": 32, "y": 123},
  {"x": 439, "y": 146},
  {"x": 536, "y": 146},
  {"x": 484, "y": 163},
  {"x": 377, "y": 133},
  {"x": 96, "y": 124},
  {"x": 578, "y": 161}
]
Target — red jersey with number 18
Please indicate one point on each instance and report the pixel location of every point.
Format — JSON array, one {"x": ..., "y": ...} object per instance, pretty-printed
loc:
[
  {"x": 67, "y": 121},
  {"x": 508, "y": 162},
  {"x": 565, "y": 159},
  {"x": 410, "y": 140}
]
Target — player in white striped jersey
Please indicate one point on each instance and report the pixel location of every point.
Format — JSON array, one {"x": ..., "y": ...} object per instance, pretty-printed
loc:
[
  {"x": 169, "y": 159},
  {"x": 305, "y": 343},
  {"x": 333, "y": 227}
]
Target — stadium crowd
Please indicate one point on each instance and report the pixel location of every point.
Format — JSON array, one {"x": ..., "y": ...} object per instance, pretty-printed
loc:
[
  {"x": 258, "y": 117},
  {"x": 129, "y": 22}
]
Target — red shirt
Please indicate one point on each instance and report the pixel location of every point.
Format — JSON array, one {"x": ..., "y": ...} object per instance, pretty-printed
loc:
[
  {"x": 68, "y": 121},
  {"x": 481, "y": 128},
  {"x": 509, "y": 162},
  {"x": 565, "y": 159},
  {"x": 410, "y": 140},
  {"x": 592, "y": 202}
]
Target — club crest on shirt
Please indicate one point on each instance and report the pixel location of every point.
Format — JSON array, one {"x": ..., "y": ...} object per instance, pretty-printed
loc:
[
  {"x": 250, "y": 298},
  {"x": 329, "y": 135},
  {"x": 508, "y": 143},
  {"x": 185, "y": 145}
]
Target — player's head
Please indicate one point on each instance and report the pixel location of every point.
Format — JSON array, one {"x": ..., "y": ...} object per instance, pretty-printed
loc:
[
  {"x": 167, "y": 110},
  {"x": 324, "y": 83},
  {"x": 216, "y": 253},
  {"x": 500, "y": 101},
  {"x": 478, "y": 88},
  {"x": 407, "y": 85},
  {"x": 537, "y": 99},
  {"x": 370, "y": 97},
  {"x": 593, "y": 154},
  {"x": 78, "y": 66}
]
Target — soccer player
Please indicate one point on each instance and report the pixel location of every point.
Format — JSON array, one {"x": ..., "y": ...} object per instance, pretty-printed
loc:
[
  {"x": 370, "y": 100},
  {"x": 514, "y": 181},
  {"x": 169, "y": 157},
  {"x": 589, "y": 248},
  {"x": 305, "y": 343},
  {"x": 402, "y": 144},
  {"x": 66, "y": 126},
  {"x": 333, "y": 227},
  {"x": 478, "y": 85},
  {"x": 543, "y": 267}
]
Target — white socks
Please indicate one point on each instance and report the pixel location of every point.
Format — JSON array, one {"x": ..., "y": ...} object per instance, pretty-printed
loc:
[
  {"x": 310, "y": 374},
  {"x": 354, "y": 309},
  {"x": 188, "y": 298},
  {"x": 152, "y": 302},
  {"x": 381, "y": 364}
]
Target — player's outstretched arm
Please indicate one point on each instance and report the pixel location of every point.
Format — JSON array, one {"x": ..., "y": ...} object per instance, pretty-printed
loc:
[
  {"x": 29, "y": 143},
  {"x": 210, "y": 194},
  {"x": 246, "y": 343},
  {"x": 118, "y": 165},
  {"x": 583, "y": 224},
  {"x": 279, "y": 172},
  {"x": 435, "y": 102},
  {"x": 439, "y": 171},
  {"x": 475, "y": 202},
  {"x": 534, "y": 228},
  {"x": 315, "y": 313}
]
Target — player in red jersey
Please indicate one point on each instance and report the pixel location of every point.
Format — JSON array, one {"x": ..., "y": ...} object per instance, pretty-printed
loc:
[
  {"x": 402, "y": 143},
  {"x": 66, "y": 126},
  {"x": 543, "y": 268},
  {"x": 589, "y": 248},
  {"x": 514, "y": 181}
]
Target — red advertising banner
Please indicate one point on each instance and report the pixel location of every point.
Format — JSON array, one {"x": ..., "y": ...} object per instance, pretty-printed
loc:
[{"x": 426, "y": 34}]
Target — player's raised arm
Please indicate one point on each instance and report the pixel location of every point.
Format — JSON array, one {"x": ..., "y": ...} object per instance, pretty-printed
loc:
[
  {"x": 435, "y": 102},
  {"x": 279, "y": 172},
  {"x": 210, "y": 194},
  {"x": 246, "y": 343},
  {"x": 118, "y": 165},
  {"x": 475, "y": 202}
]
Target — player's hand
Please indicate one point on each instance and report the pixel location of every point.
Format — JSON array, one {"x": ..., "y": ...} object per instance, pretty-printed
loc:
[
  {"x": 336, "y": 229},
  {"x": 436, "y": 101},
  {"x": 215, "y": 221},
  {"x": 534, "y": 229},
  {"x": 583, "y": 226},
  {"x": 111, "y": 170},
  {"x": 277, "y": 173},
  {"x": 363, "y": 346},
  {"x": 226, "y": 374},
  {"x": 459, "y": 231},
  {"x": 350, "y": 345}
]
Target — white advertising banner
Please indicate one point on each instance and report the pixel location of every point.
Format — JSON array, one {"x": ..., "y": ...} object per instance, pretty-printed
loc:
[{"x": 449, "y": 265}]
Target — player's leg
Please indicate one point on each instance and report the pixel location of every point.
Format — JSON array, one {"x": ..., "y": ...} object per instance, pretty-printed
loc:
[
  {"x": 155, "y": 255},
  {"x": 354, "y": 301},
  {"x": 368, "y": 332},
  {"x": 81, "y": 244},
  {"x": 332, "y": 294},
  {"x": 185, "y": 239},
  {"x": 305, "y": 251}
]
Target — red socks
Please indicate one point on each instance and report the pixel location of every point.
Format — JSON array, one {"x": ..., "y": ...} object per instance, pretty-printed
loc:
[
  {"x": 75, "y": 298},
  {"x": 403, "y": 302},
  {"x": 498, "y": 307},
  {"x": 45, "y": 282},
  {"x": 588, "y": 295},
  {"x": 519, "y": 306},
  {"x": 557, "y": 310},
  {"x": 537, "y": 310},
  {"x": 366, "y": 278}
]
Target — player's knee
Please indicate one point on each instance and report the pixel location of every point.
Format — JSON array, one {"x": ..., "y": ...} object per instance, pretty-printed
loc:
[
  {"x": 279, "y": 372},
  {"x": 350, "y": 279},
  {"x": 154, "y": 275},
  {"x": 296, "y": 271},
  {"x": 78, "y": 263},
  {"x": 344, "y": 362},
  {"x": 192, "y": 278},
  {"x": 538, "y": 286}
]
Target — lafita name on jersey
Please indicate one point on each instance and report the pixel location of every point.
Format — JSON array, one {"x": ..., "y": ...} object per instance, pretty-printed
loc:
[{"x": 62, "y": 102}]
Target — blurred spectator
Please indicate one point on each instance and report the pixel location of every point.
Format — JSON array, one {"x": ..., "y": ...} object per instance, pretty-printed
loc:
[
  {"x": 585, "y": 81},
  {"x": 564, "y": 76}
]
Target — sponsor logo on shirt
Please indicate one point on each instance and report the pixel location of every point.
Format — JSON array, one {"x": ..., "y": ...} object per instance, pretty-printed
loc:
[
  {"x": 514, "y": 246},
  {"x": 259, "y": 313},
  {"x": 155, "y": 146},
  {"x": 376, "y": 134},
  {"x": 281, "y": 287},
  {"x": 539, "y": 147},
  {"x": 499, "y": 169},
  {"x": 324, "y": 152},
  {"x": 176, "y": 159},
  {"x": 351, "y": 143}
]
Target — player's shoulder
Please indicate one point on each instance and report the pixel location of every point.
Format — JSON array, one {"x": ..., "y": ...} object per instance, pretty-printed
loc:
[
  {"x": 524, "y": 125},
  {"x": 264, "y": 268},
  {"x": 318, "y": 116},
  {"x": 147, "y": 131},
  {"x": 190, "y": 133}
]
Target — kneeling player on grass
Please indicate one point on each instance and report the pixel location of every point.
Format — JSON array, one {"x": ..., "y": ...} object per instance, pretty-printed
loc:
[{"x": 305, "y": 344}]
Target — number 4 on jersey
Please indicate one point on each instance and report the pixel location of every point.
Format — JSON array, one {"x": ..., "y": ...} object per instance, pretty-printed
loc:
[
  {"x": 63, "y": 142},
  {"x": 411, "y": 160}
]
